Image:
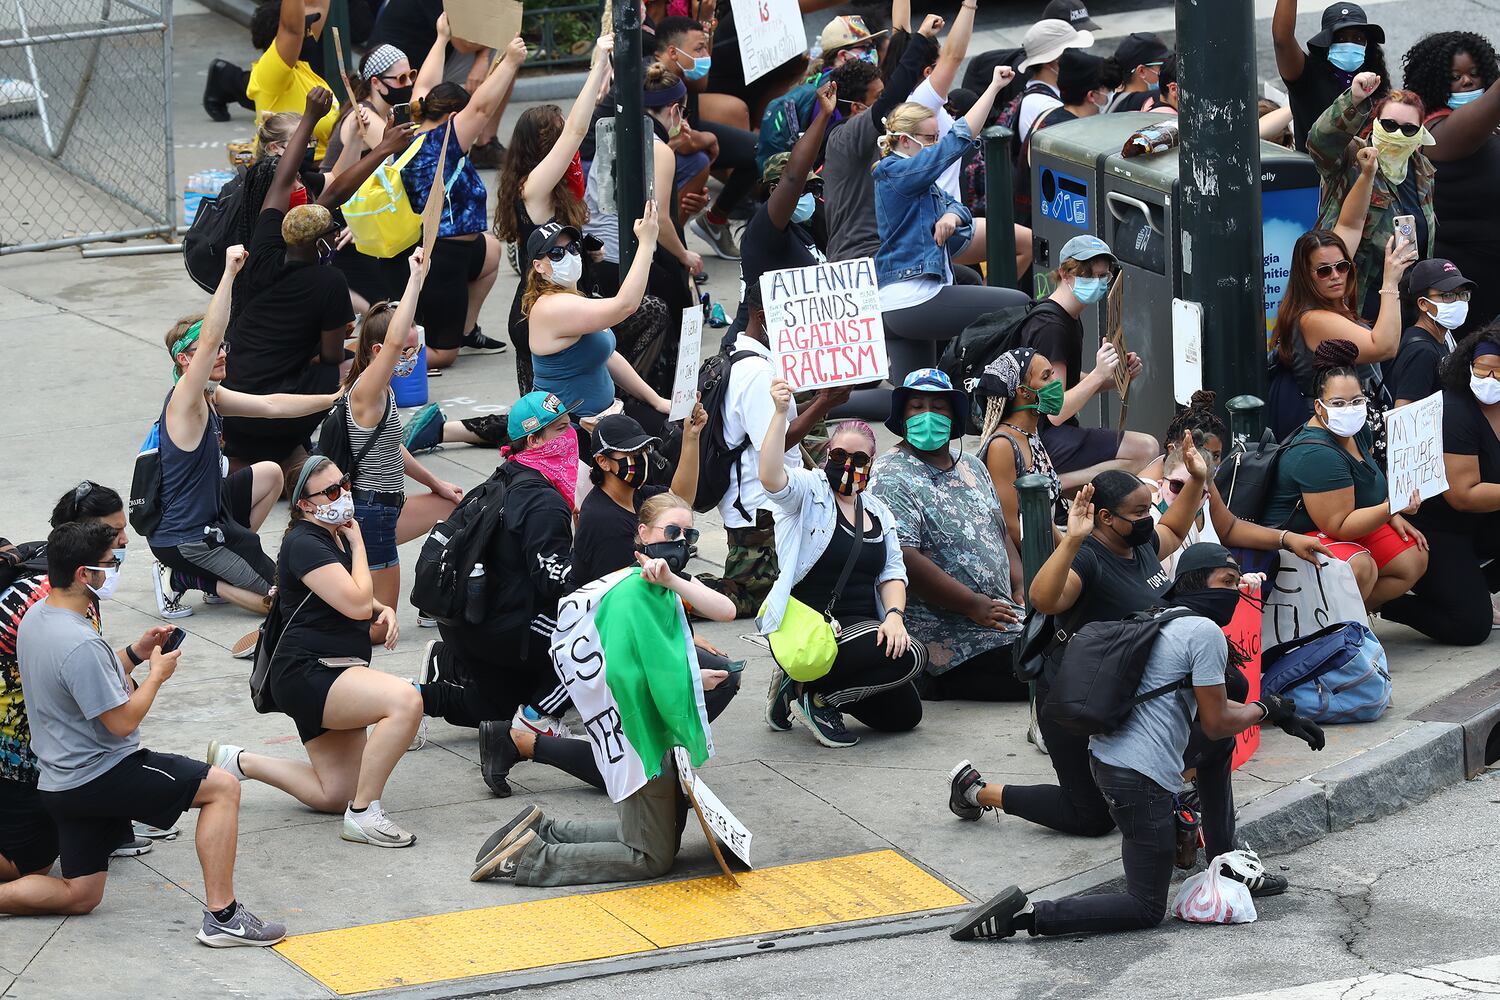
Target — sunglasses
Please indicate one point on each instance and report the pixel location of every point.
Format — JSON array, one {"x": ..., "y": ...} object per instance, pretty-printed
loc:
[
  {"x": 672, "y": 532},
  {"x": 1407, "y": 129},
  {"x": 1328, "y": 270},
  {"x": 401, "y": 79},
  {"x": 332, "y": 492},
  {"x": 555, "y": 254},
  {"x": 1480, "y": 372},
  {"x": 1175, "y": 486},
  {"x": 858, "y": 459}
]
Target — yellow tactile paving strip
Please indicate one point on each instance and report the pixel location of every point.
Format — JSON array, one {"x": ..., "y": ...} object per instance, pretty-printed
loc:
[{"x": 569, "y": 929}]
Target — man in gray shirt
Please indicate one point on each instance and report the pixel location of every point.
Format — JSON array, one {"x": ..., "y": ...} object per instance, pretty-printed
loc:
[{"x": 85, "y": 713}]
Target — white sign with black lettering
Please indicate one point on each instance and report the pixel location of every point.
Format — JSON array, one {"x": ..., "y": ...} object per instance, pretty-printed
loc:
[
  {"x": 770, "y": 33},
  {"x": 727, "y": 829},
  {"x": 1414, "y": 451},
  {"x": 689, "y": 350}
]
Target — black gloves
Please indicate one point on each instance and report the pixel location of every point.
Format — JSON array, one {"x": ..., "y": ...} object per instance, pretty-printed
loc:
[
  {"x": 1278, "y": 709},
  {"x": 1304, "y": 729}
]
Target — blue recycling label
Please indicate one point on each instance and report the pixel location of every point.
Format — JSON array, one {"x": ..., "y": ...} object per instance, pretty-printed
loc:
[{"x": 1063, "y": 198}]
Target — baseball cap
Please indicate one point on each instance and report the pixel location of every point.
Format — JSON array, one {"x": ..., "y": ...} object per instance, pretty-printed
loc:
[
  {"x": 1338, "y": 16},
  {"x": 1140, "y": 48},
  {"x": 925, "y": 380},
  {"x": 844, "y": 31},
  {"x": 532, "y": 412},
  {"x": 380, "y": 59},
  {"x": 776, "y": 166},
  {"x": 1048, "y": 39},
  {"x": 1071, "y": 11},
  {"x": 1435, "y": 272},
  {"x": 1079, "y": 72},
  {"x": 1085, "y": 248},
  {"x": 1204, "y": 555},
  {"x": 619, "y": 432},
  {"x": 543, "y": 236}
]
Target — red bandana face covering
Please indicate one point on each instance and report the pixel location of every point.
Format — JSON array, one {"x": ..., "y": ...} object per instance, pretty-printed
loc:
[
  {"x": 557, "y": 460},
  {"x": 575, "y": 178},
  {"x": 296, "y": 198}
]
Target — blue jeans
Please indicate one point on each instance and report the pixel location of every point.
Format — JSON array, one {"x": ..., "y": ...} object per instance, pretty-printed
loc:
[{"x": 377, "y": 523}]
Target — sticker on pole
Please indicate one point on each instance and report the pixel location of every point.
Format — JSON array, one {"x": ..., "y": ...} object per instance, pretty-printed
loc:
[
  {"x": 1187, "y": 350},
  {"x": 824, "y": 324},
  {"x": 770, "y": 33},
  {"x": 1414, "y": 451},
  {"x": 689, "y": 349}
]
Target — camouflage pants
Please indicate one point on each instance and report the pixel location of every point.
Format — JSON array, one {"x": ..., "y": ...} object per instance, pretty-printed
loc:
[{"x": 750, "y": 566}]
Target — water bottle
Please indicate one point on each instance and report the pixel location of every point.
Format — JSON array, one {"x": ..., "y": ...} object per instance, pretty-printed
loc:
[{"x": 474, "y": 596}]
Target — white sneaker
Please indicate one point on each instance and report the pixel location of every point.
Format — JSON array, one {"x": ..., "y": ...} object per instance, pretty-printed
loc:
[
  {"x": 213, "y": 598},
  {"x": 424, "y": 622},
  {"x": 244, "y": 646},
  {"x": 1034, "y": 731},
  {"x": 374, "y": 827},
  {"x": 527, "y": 717},
  {"x": 168, "y": 606},
  {"x": 154, "y": 832},
  {"x": 227, "y": 757}
]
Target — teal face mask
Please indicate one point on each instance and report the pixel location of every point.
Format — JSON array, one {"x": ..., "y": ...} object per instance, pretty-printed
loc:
[
  {"x": 806, "y": 205},
  {"x": 1347, "y": 56},
  {"x": 1090, "y": 290},
  {"x": 928, "y": 431}
]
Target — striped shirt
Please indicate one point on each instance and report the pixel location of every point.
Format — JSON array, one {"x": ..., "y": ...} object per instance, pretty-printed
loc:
[{"x": 383, "y": 469}]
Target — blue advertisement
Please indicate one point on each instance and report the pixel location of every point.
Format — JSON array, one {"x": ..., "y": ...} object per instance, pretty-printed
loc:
[
  {"x": 1285, "y": 215},
  {"x": 1064, "y": 199}
]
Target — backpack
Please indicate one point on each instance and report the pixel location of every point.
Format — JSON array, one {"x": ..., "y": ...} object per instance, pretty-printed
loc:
[
  {"x": 28, "y": 561},
  {"x": 267, "y": 639},
  {"x": 1094, "y": 689},
  {"x": 211, "y": 233},
  {"x": 333, "y": 438},
  {"x": 718, "y": 461},
  {"x": 981, "y": 342},
  {"x": 144, "y": 509},
  {"x": 1336, "y": 674},
  {"x": 786, "y": 118},
  {"x": 1020, "y": 188},
  {"x": 1247, "y": 475},
  {"x": 981, "y": 70},
  {"x": 379, "y": 212},
  {"x": 440, "y": 585}
]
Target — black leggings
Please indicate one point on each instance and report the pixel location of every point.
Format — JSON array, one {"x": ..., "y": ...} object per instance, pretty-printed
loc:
[
  {"x": 1451, "y": 603},
  {"x": 866, "y": 683},
  {"x": 472, "y": 687},
  {"x": 914, "y": 336},
  {"x": 986, "y": 677},
  {"x": 737, "y": 155},
  {"x": 1074, "y": 804}
]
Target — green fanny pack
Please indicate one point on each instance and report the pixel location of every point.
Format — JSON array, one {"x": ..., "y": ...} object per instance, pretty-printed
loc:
[{"x": 806, "y": 642}]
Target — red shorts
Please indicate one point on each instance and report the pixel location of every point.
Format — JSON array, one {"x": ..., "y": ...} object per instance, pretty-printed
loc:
[{"x": 1383, "y": 545}]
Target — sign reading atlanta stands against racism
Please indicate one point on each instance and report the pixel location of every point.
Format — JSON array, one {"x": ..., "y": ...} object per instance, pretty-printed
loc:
[{"x": 823, "y": 323}]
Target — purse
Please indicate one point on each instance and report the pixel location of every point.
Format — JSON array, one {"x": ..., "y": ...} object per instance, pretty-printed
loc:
[
  {"x": 271, "y": 631},
  {"x": 806, "y": 642}
]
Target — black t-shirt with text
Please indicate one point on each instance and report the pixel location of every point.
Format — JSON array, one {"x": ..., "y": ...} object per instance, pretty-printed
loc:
[{"x": 1115, "y": 586}]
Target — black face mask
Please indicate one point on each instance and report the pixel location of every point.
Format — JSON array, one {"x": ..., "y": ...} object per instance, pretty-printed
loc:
[
  {"x": 1217, "y": 604},
  {"x": 1140, "y": 530},
  {"x": 633, "y": 469},
  {"x": 397, "y": 95},
  {"x": 312, "y": 49},
  {"x": 846, "y": 479},
  {"x": 675, "y": 553}
]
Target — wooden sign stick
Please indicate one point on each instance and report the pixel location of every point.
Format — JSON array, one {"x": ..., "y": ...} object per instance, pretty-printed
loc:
[
  {"x": 338, "y": 54},
  {"x": 432, "y": 212},
  {"x": 713, "y": 843}
]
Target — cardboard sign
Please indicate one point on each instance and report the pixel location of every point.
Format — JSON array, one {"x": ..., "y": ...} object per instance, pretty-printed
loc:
[
  {"x": 1244, "y": 635},
  {"x": 824, "y": 324},
  {"x": 689, "y": 349},
  {"x": 432, "y": 212},
  {"x": 1114, "y": 329},
  {"x": 491, "y": 23},
  {"x": 1306, "y": 598},
  {"x": 1414, "y": 450},
  {"x": 716, "y": 817},
  {"x": 770, "y": 33}
]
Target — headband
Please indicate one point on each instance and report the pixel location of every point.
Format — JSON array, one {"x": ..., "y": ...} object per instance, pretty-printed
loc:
[
  {"x": 661, "y": 98},
  {"x": 313, "y": 464},
  {"x": 182, "y": 343},
  {"x": 1486, "y": 347}
]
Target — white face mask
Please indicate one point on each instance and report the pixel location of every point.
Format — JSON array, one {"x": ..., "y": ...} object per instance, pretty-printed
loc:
[
  {"x": 336, "y": 512},
  {"x": 106, "y": 589},
  {"x": 1450, "y": 315},
  {"x": 1486, "y": 390},
  {"x": 568, "y": 270},
  {"x": 405, "y": 366},
  {"x": 1345, "y": 421}
]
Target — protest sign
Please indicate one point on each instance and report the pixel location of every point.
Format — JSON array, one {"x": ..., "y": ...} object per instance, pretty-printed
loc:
[
  {"x": 770, "y": 33},
  {"x": 432, "y": 212},
  {"x": 1414, "y": 451},
  {"x": 689, "y": 349},
  {"x": 824, "y": 324},
  {"x": 1244, "y": 635},
  {"x": 719, "y": 823},
  {"x": 491, "y": 23},
  {"x": 1306, "y": 598}
]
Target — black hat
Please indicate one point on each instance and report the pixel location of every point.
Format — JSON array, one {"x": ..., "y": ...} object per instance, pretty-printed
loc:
[
  {"x": 1203, "y": 555},
  {"x": 1079, "y": 72},
  {"x": 617, "y": 432},
  {"x": 1435, "y": 272},
  {"x": 1337, "y": 17},
  {"x": 1140, "y": 48},
  {"x": 543, "y": 236},
  {"x": 1072, "y": 11}
]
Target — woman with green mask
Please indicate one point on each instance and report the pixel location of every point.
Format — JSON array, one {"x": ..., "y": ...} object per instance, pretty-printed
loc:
[{"x": 1022, "y": 388}]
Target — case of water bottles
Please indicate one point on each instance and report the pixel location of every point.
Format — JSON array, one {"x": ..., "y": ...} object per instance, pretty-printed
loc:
[{"x": 201, "y": 185}]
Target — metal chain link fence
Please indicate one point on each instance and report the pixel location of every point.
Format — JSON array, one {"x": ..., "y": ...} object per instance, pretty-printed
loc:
[{"x": 85, "y": 122}]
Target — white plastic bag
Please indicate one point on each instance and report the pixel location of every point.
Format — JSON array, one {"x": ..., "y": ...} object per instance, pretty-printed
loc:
[{"x": 1211, "y": 898}]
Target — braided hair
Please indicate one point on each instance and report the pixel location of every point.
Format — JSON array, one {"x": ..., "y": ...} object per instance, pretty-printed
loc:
[
  {"x": 1332, "y": 359},
  {"x": 1427, "y": 67},
  {"x": 1200, "y": 418}
]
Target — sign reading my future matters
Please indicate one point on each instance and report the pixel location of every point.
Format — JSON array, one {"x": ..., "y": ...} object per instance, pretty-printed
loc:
[{"x": 823, "y": 323}]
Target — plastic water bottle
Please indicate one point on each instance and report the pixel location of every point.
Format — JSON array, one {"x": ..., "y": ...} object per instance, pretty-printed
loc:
[{"x": 474, "y": 600}]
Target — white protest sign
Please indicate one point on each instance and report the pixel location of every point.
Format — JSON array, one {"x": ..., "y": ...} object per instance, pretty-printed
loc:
[
  {"x": 689, "y": 349},
  {"x": 770, "y": 33},
  {"x": 716, "y": 816},
  {"x": 492, "y": 23},
  {"x": 823, "y": 323},
  {"x": 1306, "y": 598},
  {"x": 1414, "y": 450}
]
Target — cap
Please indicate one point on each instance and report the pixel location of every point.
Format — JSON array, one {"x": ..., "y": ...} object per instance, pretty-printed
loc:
[
  {"x": 1435, "y": 272},
  {"x": 1048, "y": 39},
  {"x": 380, "y": 59},
  {"x": 776, "y": 166},
  {"x": 532, "y": 412},
  {"x": 304, "y": 224},
  {"x": 844, "y": 31},
  {"x": 544, "y": 236},
  {"x": 1140, "y": 48},
  {"x": 925, "y": 380},
  {"x": 619, "y": 432},
  {"x": 1085, "y": 248},
  {"x": 1079, "y": 72},
  {"x": 1071, "y": 11},
  {"x": 1204, "y": 555},
  {"x": 1337, "y": 17}
]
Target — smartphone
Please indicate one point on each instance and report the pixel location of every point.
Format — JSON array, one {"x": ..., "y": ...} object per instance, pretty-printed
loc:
[
  {"x": 401, "y": 113},
  {"x": 339, "y": 662},
  {"x": 174, "y": 640},
  {"x": 1406, "y": 229},
  {"x": 734, "y": 666}
]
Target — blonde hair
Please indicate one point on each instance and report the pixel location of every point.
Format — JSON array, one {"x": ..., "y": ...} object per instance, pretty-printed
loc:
[
  {"x": 994, "y": 414},
  {"x": 537, "y": 287},
  {"x": 1070, "y": 268},
  {"x": 654, "y": 509},
  {"x": 903, "y": 118},
  {"x": 275, "y": 127}
]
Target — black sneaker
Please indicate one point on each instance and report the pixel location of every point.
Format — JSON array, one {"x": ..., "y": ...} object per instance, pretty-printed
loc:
[
  {"x": 488, "y": 427},
  {"x": 960, "y": 780},
  {"x": 487, "y": 156},
  {"x": 223, "y": 83},
  {"x": 825, "y": 722},
  {"x": 991, "y": 921},
  {"x": 497, "y": 755},
  {"x": 1264, "y": 884},
  {"x": 510, "y": 832},
  {"x": 475, "y": 340},
  {"x": 779, "y": 701}
]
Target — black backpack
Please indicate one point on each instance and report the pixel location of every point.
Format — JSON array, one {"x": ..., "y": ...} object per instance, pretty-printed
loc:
[
  {"x": 1247, "y": 475},
  {"x": 1094, "y": 688},
  {"x": 333, "y": 438},
  {"x": 212, "y": 232},
  {"x": 144, "y": 510},
  {"x": 27, "y": 561},
  {"x": 980, "y": 343},
  {"x": 440, "y": 584},
  {"x": 718, "y": 461}
]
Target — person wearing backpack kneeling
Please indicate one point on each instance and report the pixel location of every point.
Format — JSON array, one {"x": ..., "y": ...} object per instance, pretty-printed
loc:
[{"x": 1138, "y": 765}]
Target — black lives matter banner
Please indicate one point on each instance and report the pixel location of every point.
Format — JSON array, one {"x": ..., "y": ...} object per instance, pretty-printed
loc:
[{"x": 824, "y": 324}]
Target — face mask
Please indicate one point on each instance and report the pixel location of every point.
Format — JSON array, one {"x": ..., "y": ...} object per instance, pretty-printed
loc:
[
  {"x": 297, "y": 198},
  {"x": 310, "y": 47},
  {"x": 675, "y": 553},
  {"x": 632, "y": 469},
  {"x": 119, "y": 555},
  {"x": 1345, "y": 421},
  {"x": 1140, "y": 531},
  {"x": 1217, "y": 604},
  {"x": 1049, "y": 399},
  {"x": 568, "y": 270},
  {"x": 1090, "y": 290},
  {"x": 846, "y": 478},
  {"x": 700, "y": 68},
  {"x": 1347, "y": 56},
  {"x": 1456, "y": 101},
  {"x": 1101, "y": 105},
  {"x": 406, "y": 366},
  {"x": 674, "y": 128},
  {"x": 1394, "y": 151},
  {"x": 1486, "y": 390},
  {"x": 868, "y": 55},
  {"x": 336, "y": 512},
  {"x": 557, "y": 461},
  {"x": 397, "y": 95},
  {"x": 1450, "y": 315},
  {"x": 111, "y": 580},
  {"x": 928, "y": 431},
  {"x": 806, "y": 205}
]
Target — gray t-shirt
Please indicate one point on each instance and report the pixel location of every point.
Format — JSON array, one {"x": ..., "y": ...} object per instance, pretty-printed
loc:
[
  {"x": 849, "y": 189},
  {"x": 71, "y": 677},
  {"x": 1155, "y": 736}
]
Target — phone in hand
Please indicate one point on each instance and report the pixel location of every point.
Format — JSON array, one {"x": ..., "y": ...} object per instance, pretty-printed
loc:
[
  {"x": 401, "y": 114},
  {"x": 174, "y": 640},
  {"x": 1406, "y": 229},
  {"x": 734, "y": 667}
]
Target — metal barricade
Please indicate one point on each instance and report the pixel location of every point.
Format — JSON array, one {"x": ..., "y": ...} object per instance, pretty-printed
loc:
[{"x": 85, "y": 122}]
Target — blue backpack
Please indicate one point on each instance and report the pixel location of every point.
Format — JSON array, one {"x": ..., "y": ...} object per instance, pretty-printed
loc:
[
  {"x": 1336, "y": 674},
  {"x": 786, "y": 118}
]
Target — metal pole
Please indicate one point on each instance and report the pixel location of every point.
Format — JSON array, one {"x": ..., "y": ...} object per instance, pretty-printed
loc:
[
  {"x": 1036, "y": 527},
  {"x": 1245, "y": 419},
  {"x": 1222, "y": 267},
  {"x": 999, "y": 211},
  {"x": 631, "y": 137},
  {"x": 169, "y": 180}
]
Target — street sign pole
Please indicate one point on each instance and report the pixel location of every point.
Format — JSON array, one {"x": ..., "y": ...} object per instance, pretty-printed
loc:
[{"x": 630, "y": 134}]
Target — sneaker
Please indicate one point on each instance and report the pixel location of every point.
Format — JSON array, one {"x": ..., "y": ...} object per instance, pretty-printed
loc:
[
  {"x": 527, "y": 717},
  {"x": 475, "y": 340},
  {"x": 224, "y": 82},
  {"x": 154, "y": 832},
  {"x": 134, "y": 847},
  {"x": 168, "y": 606},
  {"x": 488, "y": 427},
  {"x": 212, "y": 599},
  {"x": 825, "y": 722},
  {"x": 1034, "y": 731},
  {"x": 244, "y": 647},
  {"x": 225, "y": 756},
  {"x": 242, "y": 930},
  {"x": 1264, "y": 884},
  {"x": 501, "y": 863},
  {"x": 424, "y": 431},
  {"x": 779, "y": 701},
  {"x": 718, "y": 237},
  {"x": 513, "y": 258},
  {"x": 960, "y": 780},
  {"x": 488, "y": 155},
  {"x": 424, "y": 622},
  {"x": 374, "y": 827},
  {"x": 527, "y": 819},
  {"x": 428, "y": 674},
  {"x": 991, "y": 921},
  {"x": 717, "y": 320},
  {"x": 497, "y": 755}
]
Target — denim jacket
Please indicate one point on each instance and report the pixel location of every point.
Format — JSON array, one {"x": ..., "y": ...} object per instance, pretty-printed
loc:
[
  {"x": 806, "y": 514},
  {"x": 908, "y": 204}
]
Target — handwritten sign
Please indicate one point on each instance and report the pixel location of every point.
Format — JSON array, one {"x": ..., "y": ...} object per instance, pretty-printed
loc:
[
  {"x": 1244, "y": 635},
  {"x": 1306, "y": 598},
  {"x": 716, "y": 816},
  {"x": 1414, "y": 451},
  {"x": 770, "y": 33},
  {"x": 824, "y": 324},
  {"x": 491, "y": 23},
  {"x": 689, "y": 350}
]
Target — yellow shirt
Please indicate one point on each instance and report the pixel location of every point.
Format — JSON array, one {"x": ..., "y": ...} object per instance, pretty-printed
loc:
[{"x": 275, "y": 86}]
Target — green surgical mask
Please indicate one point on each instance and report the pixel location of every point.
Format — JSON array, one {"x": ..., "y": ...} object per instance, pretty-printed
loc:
[
  {"x": 928, "y": 431},
  {"x": 1049, "y": 399}
]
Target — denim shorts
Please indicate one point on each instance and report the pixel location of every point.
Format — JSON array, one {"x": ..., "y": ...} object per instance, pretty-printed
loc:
[{"x": 377, "y": 523}]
